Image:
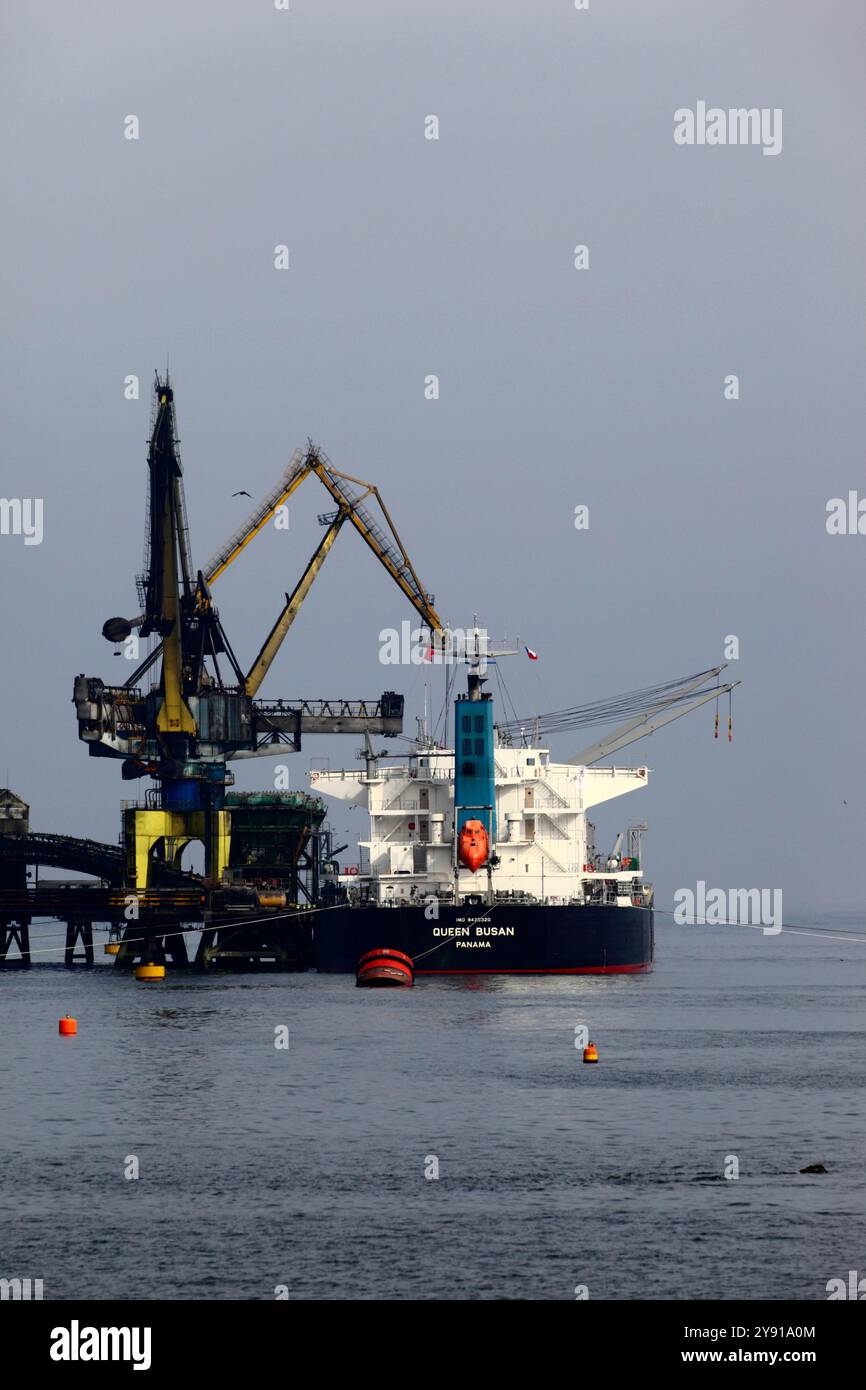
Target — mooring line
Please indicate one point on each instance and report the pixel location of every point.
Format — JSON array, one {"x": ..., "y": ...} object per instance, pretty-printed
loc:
[
  {"x": 821, "y": 933},
  {"x": 186, "y": 931}
]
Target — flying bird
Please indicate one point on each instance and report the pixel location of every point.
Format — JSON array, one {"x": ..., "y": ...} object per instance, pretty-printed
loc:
[{"x": 242, "y": 493}]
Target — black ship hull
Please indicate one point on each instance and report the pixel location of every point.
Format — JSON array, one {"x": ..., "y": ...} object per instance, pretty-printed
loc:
[{"x": 508, "y": 939}]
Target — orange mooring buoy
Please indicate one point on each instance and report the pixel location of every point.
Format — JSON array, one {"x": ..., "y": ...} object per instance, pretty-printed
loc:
[
  {"x": 67, "y": 1027},
  {"x": 383, "y": 967},
  {"x": 590, "y": 1053}
]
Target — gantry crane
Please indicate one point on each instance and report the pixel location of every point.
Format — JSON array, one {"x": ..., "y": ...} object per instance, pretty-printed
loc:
[{"x": 198, "y": 715}]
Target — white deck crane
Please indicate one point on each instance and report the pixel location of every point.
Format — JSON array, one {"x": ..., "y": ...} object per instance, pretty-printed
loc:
[{"x": 664, "y": 711}]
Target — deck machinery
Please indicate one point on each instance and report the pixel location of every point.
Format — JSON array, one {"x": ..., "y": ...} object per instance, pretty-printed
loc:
[{"x": 201, "y": 711}]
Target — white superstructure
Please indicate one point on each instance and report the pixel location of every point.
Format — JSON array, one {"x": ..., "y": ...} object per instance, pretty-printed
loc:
[{"x": 543, "y": 849}]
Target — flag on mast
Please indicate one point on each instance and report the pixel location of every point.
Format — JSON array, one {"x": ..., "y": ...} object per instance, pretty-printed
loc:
[{"x": 533, "y": 656}]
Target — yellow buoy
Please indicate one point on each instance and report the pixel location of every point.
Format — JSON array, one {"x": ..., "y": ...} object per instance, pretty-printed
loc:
[
  {"x": 590, "y": 1053},
  {"x": 150, "y": 972},
  {"x": 112, "y": 948}
]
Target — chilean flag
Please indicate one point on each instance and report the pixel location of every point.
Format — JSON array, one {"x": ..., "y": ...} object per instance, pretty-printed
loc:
[{"x": 533, "y": 656}]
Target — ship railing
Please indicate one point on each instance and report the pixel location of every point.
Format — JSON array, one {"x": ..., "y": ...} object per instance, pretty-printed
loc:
[
  {"x": 392, "y": 837},
  {"x": 609, "y": 893},
  {"x": 553, "y": 827},
  {"x": 509, "y": 774},
  {"x": 563, "y": 801},
  {"x": 392, "y": 804}
]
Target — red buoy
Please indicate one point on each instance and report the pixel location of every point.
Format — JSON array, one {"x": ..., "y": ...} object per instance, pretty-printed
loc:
[
  {"x": 473, "y": 845},
  {"x": 68, "y": 1027},
  {"x": 384, "y": 967}
]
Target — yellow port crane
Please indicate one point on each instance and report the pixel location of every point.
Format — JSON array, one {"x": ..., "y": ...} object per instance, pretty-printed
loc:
[
  {"x": 193, "y": 713},
  {"x": 351, "y": 495},
  {"x": 184, "y": 729}
]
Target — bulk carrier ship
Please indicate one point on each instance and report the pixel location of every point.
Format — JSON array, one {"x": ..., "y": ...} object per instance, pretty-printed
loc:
[{"x": 481, "y": 858}]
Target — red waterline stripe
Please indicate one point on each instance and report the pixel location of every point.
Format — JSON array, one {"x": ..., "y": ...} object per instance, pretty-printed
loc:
[{"x": 553, "y": 970}]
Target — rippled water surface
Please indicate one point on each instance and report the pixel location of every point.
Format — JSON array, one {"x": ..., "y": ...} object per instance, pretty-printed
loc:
[{"x": 306, "y": 1168}]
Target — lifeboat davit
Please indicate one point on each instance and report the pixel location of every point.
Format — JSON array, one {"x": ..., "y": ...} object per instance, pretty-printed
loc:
[
  {"x": 473, "y": 845},
  {"x": 383, "y": 968}
]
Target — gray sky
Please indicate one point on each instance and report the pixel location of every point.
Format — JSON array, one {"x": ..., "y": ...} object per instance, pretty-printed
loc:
[{"x": 558, "y": 387}]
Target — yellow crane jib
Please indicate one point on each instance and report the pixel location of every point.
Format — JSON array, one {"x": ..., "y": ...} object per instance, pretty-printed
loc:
[
  {"x": 390, "y": 552},
  {"x": 354, "y": 498},
  {"x": 295, "y": 473},
  {"x": 275, "y": 637},
  {"x": 350, "y": 494}
]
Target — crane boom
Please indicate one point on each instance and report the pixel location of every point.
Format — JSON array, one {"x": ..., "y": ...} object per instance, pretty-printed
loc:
[
  {"x": 274, "y": 639},
  {"x": 350, "y": 494},
  {"x": 393, "y": 556},
  {"x": 296, "y": 471},
  {"x": 645, "y": 724}
]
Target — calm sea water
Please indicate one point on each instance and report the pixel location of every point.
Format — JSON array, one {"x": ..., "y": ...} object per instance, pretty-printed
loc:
[{"x": 306, "y": 1168}]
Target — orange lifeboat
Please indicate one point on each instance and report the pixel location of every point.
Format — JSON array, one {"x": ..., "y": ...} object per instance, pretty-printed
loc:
[
  {"x": 384, "y": 967},
  {"x": 473, "y": 845}
]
